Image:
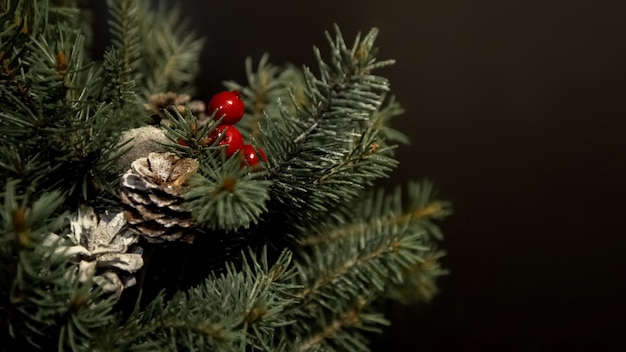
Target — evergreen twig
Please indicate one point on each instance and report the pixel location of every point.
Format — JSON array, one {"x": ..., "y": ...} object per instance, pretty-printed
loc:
[{"x": 305, "y": 255}]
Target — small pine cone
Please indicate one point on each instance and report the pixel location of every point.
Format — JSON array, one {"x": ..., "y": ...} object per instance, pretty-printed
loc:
[
  {"x": 161, "y": 101},
  {"x": 151, "y": 191}
]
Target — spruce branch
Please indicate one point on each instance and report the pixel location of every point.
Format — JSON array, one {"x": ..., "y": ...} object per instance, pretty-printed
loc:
[
  {"x": 242, "y": 307},
  {"x": 379, "y": 257},
  {"x": 380, "y": 247},
  {"x": 265, "y": 86},
  {"x": 57, "y": 124},
  {"x": 170, "y": 52},
  {"x": 327, "y": 137},
  {"x": 118, "y": 88},
  {"x": 337, "y": 274},
  {"x": 124, "y": 26},
  {"x": 123, "y": 59},
  {"x": 157, "y": 51},
  {"x": 47, "y": 304},
  {"x": 331, "y": 148},
  {"x": 227, "y": 196},
  {"x": 420, "y": 283},
  {"x": 382, "y": 120},
  {"x": 188, "y": 136},
  {"x": 420, "y": 207},
  {"x": 21, "y": 21},
  {"x": 342, "y": 333}
]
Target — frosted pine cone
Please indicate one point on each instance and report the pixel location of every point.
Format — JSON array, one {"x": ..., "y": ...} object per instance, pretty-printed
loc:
[
  {"x": 101, "y": 249},
  {"x": 151, "y": 192}
]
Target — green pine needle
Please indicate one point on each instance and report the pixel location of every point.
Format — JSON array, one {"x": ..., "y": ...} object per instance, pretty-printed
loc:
[
  {"x": 328, "y": 139},
  {"x": 227, "y": 196}
]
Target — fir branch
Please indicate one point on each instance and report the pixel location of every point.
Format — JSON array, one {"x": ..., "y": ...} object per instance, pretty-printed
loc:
[
  {"x": 424, "y": 206},
  {"x": 123, "y": 60},
  {"x": 374, "y": 248},
  {"x": 378, "y": 208},
  {"x": 334, "y": 147},
  {"x": 396, "y": 247},
  {"x": 265, "y": 86},
  {"x": 381, "y": 245},
  {"x": 237, "y": 309},
  {"x": 226, "y": 196},
  {"x": 342, "y": 332},
  {"x": 118, "y": 88},
  {"x": 158, "y": 51},
  {"x": 420, "y": 283},
  {"x": 391, "y": 110},
  {"x": 57, "y": 125},
  {"x": 339, "y": 273},
  {"x": 170, "y": 52},
  {"x": 47, "y": 305},
  {"x": 124, "y": 26},
  {"x": 189, "y": 137},
  {"x": 57, "y": 68},
  {"x": 21, "y": 20}
]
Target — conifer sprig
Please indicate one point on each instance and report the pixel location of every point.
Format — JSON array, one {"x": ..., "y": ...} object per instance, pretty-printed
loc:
[
  {"x": 266, "y": 85},
  {"x": 124, "y": 26},
  {"x": 380, "y": 246},
  {"x": 48, "y": 304},
  {"x": 416, "y": 203},
  {"x": 170, "y": 52},
  {"x": 327, "y": 138},
  {"x": 331, "y": 148},
  {"x": 49, "y": 115},
  {"x": 227, "y": 196},
  {"x": 240, "y": 309},
  {"x": 345, "y": 331},
  {"x": 118, "y": 88},
  {"x": 188, "y": 136}
]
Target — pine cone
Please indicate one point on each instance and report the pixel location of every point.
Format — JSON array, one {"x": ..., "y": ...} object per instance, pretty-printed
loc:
[
  {"x": 151, "y": 192},
  {"x": 161, "y": 101},
  {"x": 104, "y": 249}
]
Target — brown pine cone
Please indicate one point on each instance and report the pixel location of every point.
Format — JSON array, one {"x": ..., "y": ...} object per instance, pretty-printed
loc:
[
  {"x": 151, "y": 191},
  {"x": 161, "y": 101}
]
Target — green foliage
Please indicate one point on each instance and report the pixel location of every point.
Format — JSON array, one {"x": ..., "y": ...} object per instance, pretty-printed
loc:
[
  {"x": 224, "y": 194},
  {"x": 330, "y": 149},
  {"x": 266, "y": 85},
  {"x": 227, "y": 196},
  {"x": 187, "y": 136},
  {"x": 57, "y": 136},
  {"x": 380, "y": 248},
  {"x": 119, "y": 89},
  {"x": 172, "y": 51},
  {"x": 124, "y": 26},
  {"x": 47, "y": 303},
  {"x": 241, "y": 310},
  {"x": 158, "y": 47},
  {"x": 61, "y": 115},
  {"x": 306, "y": 251}
]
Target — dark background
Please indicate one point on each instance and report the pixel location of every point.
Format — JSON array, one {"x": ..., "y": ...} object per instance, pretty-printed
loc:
[{"x": 516, "y": 111}]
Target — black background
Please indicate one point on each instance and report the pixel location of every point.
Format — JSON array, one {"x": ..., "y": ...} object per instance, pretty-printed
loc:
[{"x": 516, "y": 111}]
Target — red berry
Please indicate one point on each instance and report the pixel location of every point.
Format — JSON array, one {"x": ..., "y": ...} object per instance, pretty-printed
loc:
[
  {"x": 182, "y": 142},
  {"x": 251, "y": 157},
  {"x": 230, "y": 137},
  {"x": 227, "y": 105}
]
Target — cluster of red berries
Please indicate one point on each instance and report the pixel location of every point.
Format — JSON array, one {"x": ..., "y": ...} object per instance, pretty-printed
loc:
[{"x": 229, "y": 107}]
